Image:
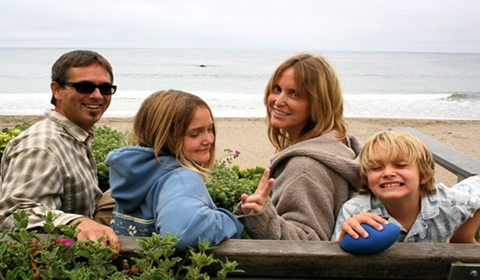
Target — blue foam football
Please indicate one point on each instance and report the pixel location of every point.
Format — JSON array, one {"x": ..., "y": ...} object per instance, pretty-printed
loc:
[{"x": 376, "y": 242}]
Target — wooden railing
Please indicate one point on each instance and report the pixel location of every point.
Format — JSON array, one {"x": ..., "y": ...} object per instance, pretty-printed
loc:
[{"x": 280, "y": 259}]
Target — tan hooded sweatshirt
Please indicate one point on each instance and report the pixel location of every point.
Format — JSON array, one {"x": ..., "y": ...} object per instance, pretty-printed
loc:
[{"x": 313, "y": 179}]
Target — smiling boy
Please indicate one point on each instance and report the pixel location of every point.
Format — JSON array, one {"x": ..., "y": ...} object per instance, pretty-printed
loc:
[{"x": 397, "y": 170}]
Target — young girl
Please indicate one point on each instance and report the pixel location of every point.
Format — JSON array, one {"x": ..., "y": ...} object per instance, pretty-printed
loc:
[
  {"x": 397, "y": 170},
  {"x": 158, "y": 185}
]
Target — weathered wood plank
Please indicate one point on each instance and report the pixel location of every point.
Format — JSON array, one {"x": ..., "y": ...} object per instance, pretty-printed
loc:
[
  {"x": 326, "y": 260},
  {"x": 452, "y": 160}
]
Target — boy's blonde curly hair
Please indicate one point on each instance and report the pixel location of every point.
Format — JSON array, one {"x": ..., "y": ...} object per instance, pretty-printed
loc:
[{"x": 400, "y": 146}]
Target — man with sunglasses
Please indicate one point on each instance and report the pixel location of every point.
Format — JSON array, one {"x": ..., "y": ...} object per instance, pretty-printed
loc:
[{"x": 50, "y": 166}]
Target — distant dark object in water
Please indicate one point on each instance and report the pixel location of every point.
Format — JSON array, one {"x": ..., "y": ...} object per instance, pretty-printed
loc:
[{"x": 203, "y": 65}]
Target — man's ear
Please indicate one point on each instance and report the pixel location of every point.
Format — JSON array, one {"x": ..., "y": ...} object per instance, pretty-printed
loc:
[{"x": 56, "y": 90}]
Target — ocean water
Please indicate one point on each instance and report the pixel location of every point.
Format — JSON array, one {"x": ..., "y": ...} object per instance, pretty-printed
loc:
[{"x": 375, "y": 84}]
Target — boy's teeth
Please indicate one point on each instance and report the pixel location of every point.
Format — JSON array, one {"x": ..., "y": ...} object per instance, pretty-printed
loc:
[{"x": 391, "y": 185}]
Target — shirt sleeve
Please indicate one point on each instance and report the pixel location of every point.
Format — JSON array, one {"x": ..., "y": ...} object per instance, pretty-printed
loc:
[
  {"x": 470, "y": 185},
  {"x": 185, "y": 209},
  {"x": 463, "y": 198},
  {"x": 32, "y": 183},
  {"x": 343, "y": 215}
]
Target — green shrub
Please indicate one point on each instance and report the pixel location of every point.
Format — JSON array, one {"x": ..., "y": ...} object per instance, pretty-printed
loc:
[
  {"x": 225, "y": 186},
  {"x": 24, "y": 255},
  {"x": 252, "y": 174},
  {"x": 106, "y": 139}
]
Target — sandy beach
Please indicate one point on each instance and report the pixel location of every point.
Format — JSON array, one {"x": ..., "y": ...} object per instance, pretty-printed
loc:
[{"x": 248, "y": 135}]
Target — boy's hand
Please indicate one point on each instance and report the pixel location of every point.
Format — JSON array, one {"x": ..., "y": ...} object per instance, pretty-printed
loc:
[{"x": 353, "y": 226}]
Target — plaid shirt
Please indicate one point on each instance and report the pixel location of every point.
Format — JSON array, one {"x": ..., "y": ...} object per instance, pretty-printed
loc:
[{"x": 49, "y": 167}]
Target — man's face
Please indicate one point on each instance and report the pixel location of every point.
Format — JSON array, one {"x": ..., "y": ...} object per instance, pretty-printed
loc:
[{"x": 82, "y": 109}]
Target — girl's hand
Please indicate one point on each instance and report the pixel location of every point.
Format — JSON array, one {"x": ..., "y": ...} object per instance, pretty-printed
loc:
[
  {"x": 253, "y": 204},
  {"x": 353, "y": 226}
]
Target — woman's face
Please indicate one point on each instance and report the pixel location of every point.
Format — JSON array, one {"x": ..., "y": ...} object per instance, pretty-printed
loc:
[
  {"x": 199, "y": 137},
  {"x": 288, "y": 109}
]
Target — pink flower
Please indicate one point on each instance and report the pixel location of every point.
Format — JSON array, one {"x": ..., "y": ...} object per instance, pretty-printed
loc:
[
  {"x": 237, "y": 152},
  {"x": 63, "y": 241}
]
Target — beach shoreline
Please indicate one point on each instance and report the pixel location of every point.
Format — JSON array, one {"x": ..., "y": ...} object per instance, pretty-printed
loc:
[{"x": 249, "y": 136}]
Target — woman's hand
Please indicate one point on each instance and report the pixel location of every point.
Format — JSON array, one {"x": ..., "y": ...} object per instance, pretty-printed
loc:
[{"x": 254, "y": 203}]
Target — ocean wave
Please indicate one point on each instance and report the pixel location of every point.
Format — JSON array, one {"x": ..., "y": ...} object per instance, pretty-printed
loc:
[
  {"x": 461, "y": 96},
  {"x": 395, "y": 96}
]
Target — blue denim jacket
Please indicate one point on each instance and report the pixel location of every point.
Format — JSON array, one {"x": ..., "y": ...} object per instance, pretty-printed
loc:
[{"x": 440, "y": 214}]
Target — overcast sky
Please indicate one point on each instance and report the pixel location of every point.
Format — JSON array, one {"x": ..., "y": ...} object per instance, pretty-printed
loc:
[{"x": 299, "y": 25}]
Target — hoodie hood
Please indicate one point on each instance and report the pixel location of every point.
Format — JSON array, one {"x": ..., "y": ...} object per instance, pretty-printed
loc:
[
  {"x": 133, "y": 171},
  {"x": 340, "y": 156}
]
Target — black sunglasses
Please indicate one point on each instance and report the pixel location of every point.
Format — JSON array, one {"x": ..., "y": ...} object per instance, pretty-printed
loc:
[{"x": 89, "y": 87}]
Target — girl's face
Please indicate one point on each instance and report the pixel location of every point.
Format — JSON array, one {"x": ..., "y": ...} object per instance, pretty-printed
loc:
[
  {"x": 199, "y": 137},
  {"x": 397, "y": 180},
  {"x": 288, "y": 110}
]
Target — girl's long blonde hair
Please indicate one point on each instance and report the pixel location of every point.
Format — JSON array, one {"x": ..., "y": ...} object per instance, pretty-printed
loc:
[{"x": 162, "y": 121}]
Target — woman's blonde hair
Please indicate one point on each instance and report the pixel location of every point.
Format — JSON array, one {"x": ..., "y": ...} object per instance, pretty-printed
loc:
[
  {"x": 162, "y": 121},
  {"x": 316, "y": 79},
  {"x": 400, "y": 146}
]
